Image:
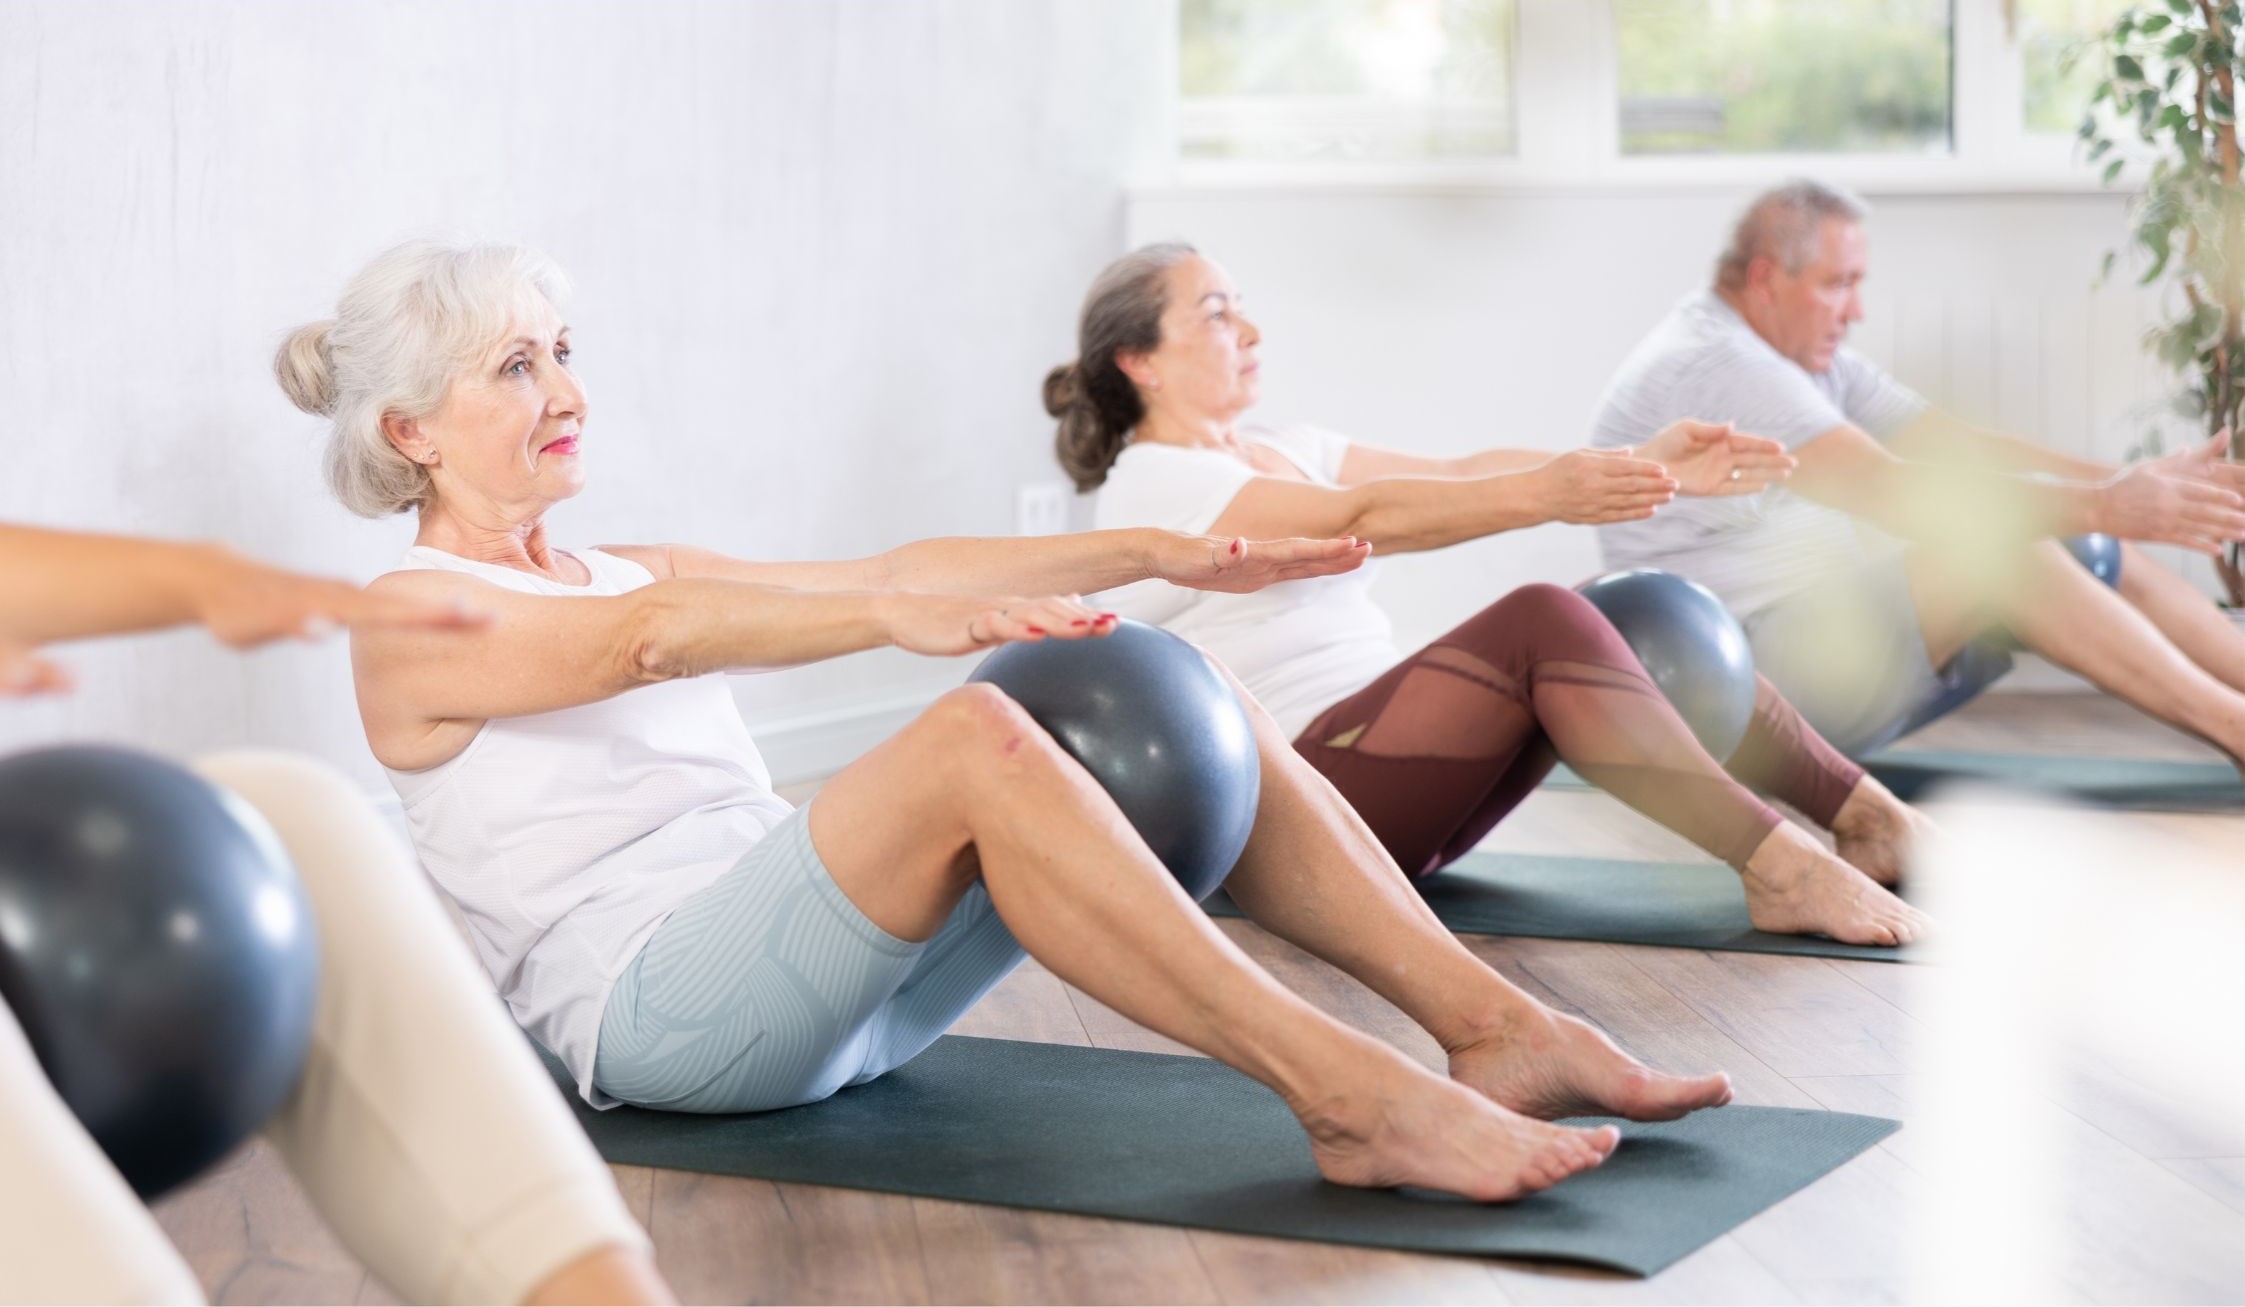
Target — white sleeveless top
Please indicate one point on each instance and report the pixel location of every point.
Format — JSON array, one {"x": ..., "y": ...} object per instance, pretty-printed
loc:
[
  {"x": 1299, "y": 646},
  {"x": 567, "y": 837}
]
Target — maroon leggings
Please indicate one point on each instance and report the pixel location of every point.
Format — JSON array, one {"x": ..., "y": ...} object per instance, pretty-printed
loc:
[{"x": 1441, "y": 747}]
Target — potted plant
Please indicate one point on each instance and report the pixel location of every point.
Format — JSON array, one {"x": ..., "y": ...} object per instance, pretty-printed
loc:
[{"x": 2171, "y": 76}]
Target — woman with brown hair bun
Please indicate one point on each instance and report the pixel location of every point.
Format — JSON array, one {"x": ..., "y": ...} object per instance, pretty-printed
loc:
[{"x": 1434, "y": 749}]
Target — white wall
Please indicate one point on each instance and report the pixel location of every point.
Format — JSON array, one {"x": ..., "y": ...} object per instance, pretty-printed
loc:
[
  {"x": 824, "y": 253},
  {"x": 1442, "y": 321}
]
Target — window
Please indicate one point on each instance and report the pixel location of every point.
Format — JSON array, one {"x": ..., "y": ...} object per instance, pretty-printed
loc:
[
  {"x": 1346, "y": 79},
  {"x": 1877, "y": 94},
  {"x": 2054, "y": 95},
  {"x": 1780, "y": 76}
]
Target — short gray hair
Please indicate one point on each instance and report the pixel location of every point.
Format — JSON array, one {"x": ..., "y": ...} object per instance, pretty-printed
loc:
[
  {"x": 405, "y": 326},
  {"x": 1784, "y": 224}
]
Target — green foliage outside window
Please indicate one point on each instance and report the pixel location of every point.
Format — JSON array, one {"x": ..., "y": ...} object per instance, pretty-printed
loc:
[
  {"x": 2056, "y": 83},
  {"x": 1776, "y": 76},
  {"x": 1342, "y": 78}
]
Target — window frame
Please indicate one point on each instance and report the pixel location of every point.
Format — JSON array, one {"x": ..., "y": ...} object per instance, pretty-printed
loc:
[{"x": 1567, "y": 132}]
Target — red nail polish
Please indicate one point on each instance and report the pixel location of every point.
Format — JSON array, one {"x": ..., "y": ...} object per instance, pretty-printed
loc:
[{"x": 1036, "y": 630}]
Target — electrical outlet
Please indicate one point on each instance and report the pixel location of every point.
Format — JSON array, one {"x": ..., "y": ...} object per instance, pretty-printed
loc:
[{"x": 1041, "y": 508}]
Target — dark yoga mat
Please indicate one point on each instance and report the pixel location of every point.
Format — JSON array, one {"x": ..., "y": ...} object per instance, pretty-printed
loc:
[
  {"x": 1674, "y": 904},
  {"x": 2145, "y": 784},
  {"x": 1188, "y": 1141},
  {"x": 2139, "y": 784}
]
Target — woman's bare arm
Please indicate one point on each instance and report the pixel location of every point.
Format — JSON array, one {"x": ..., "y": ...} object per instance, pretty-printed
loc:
[
  {"x": 70, "y": 585},
  {"x": 424, "y": 694},
  {"x": 1080, "y": 563},
  {"x": 1703, "y": 458},
  {"x": 1408, "y": 514},
  {"x": 1368, "y": 463}
]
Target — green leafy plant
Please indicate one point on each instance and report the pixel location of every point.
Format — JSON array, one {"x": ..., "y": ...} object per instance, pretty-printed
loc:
[{"x": 2171, "y": 77}]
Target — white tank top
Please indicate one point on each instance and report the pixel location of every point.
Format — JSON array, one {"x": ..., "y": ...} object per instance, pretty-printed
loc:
[
  {"x": 1298, "y": 646},
  {"x": 567, "y": 837}
]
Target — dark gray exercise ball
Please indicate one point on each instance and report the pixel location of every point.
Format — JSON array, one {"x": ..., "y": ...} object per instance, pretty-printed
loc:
[
  {"x": 157, "y": 950},
  {"x": 1158, "y": 727},
  {"x": 1694, "y": 649},
  {"x": 2098, "y": 552}
]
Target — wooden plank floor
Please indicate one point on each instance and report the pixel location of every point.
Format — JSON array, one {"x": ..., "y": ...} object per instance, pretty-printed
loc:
[{"x": 2155, "y": 1202}]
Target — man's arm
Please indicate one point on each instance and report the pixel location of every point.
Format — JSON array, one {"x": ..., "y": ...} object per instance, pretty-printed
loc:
[
  {"x": 1938, "y": 437},
  {"x": 1977, "y": 506}
]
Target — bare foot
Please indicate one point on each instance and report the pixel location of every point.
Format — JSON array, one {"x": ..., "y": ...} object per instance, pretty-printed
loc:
[
  {"x": 1794, "y": 887},
  {"x": 1547, "y": 1065},
  {"x": 1877, "y": 833},
  {"x": 1401, "y": 1124}
]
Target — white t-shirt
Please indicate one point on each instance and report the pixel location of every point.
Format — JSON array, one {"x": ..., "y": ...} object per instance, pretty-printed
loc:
[
  {"x": 567, "y": 837},
  {"x": 1299, "y": 646},
  {"x": 1704, "y": 361}
]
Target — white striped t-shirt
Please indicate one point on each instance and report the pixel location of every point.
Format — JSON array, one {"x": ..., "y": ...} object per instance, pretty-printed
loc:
[{"x": 1704, "y": 361}]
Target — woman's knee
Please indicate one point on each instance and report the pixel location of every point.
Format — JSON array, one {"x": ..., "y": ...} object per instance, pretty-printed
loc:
[
  {"x": 1548, "y": 621},
  {"x": 982, "y": 727}
]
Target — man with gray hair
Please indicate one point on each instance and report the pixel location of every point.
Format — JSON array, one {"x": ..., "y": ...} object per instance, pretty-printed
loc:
[{"x": 1879, "y": 584}]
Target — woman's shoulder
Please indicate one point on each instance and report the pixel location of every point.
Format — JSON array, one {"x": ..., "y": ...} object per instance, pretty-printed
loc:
[
  {"x": 428, "y": 570},
  {"x": 1167, "y": 486},
  {"x": 1318, "y": 451}
]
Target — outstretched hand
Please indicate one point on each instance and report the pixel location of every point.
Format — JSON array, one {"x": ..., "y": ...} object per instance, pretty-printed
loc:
[
  {"x": 954, "y": 624},
  {"x": 1715, "y": 458},
  {"x": 1236, "y": 565},
  {"x": 1589, "y": 486},
  {"x": 2205, "y": 461},
  {"x": 25, "y": 672},
  {"x": 246, "y": 603},
  {"x": 2161, "y": 502}
]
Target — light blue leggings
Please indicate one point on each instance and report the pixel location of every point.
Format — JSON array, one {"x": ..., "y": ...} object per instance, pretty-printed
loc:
[{"x": 770, "y": 989}]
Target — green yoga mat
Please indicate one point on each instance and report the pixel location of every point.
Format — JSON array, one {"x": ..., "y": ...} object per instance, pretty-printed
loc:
[
  {"x": 2139, "y": 784},
  {"x": 1673, "y": 904},
  {"x": 1187, "y": 1141},
  {"x": 2145, "y": 784}
]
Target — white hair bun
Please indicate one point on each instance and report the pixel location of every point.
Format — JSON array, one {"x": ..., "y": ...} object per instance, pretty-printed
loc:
[{"x": 306, "y": 370}]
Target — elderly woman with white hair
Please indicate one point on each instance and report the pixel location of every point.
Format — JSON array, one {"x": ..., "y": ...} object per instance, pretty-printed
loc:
[{"x": 584, "y": 788}]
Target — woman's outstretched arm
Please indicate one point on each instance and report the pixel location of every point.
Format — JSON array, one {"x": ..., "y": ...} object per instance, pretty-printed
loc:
[
  {"x": 70, "y": 585},
  {"x": 1081, "y": 563},
  {"x": 424, "y": 694},
  {"x": 1700, "y": 456},
  {"x": 1588, "y": 487}
]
